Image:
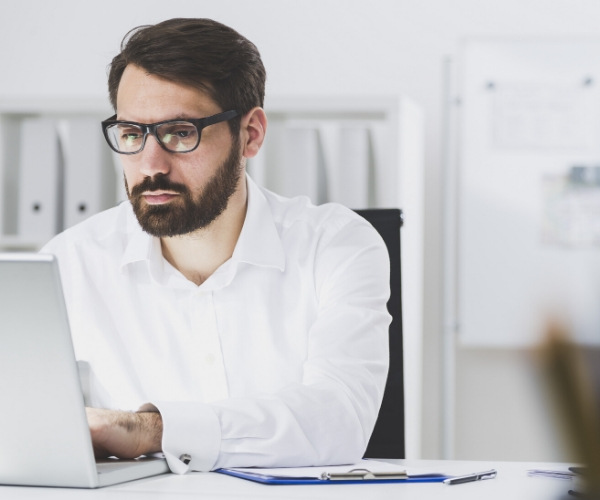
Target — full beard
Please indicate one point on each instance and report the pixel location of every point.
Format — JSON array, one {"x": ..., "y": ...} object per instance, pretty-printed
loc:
[{"x": 187, "y": 213}]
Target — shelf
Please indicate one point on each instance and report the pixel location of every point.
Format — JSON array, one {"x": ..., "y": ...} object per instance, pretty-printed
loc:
[
  {"x": 18, "y": 243},
  {"x": 60, "y": 106}
]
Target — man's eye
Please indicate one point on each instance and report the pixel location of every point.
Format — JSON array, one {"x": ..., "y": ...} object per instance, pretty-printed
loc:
[
  {"x": 130, "y": 137},
  {"x": 179, "y": 131},
  {"x": 183, "y": 133},
  {"x": 177, "y": 134},
  {"x": 130, "y": 132}
]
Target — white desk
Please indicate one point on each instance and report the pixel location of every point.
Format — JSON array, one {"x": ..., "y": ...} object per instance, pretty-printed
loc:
[{"x": 512, "y": 483}]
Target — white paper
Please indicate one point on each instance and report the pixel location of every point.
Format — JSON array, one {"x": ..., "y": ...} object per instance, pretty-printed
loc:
[
  {"x": 540, "y": 116},
  {"x": 316, "y": 472}
]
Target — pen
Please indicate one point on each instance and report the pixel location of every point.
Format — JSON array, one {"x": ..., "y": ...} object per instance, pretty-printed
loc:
[{"x": 476, "y": 476}]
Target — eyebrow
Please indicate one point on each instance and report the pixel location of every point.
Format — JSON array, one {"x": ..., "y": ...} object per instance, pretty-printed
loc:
[{"x": 179, "y": 116}]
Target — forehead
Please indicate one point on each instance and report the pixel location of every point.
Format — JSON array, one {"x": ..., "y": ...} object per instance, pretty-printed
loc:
[{"x": 148, "y": 98}]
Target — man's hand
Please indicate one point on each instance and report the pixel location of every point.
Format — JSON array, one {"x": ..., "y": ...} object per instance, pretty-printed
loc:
[{"x": 124, "y": 434}]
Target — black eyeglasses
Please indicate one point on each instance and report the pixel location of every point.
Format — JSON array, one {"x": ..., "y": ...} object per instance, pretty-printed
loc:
[{"x": 175, "y": 136}]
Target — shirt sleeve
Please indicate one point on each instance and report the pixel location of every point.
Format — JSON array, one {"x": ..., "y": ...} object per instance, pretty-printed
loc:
[{"x": 328, "y": 417}]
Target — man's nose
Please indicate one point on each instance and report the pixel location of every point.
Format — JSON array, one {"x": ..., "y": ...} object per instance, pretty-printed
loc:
[{"x": 155, "y": 160}]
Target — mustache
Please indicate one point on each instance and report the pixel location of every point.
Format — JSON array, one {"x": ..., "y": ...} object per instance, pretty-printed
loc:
[{"x": 156, "y": 183}]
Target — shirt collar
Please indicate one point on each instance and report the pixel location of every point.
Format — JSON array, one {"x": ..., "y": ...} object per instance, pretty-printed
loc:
[
  {"x": 259, "y": 243},
  {"x": 140, "y": 245}
]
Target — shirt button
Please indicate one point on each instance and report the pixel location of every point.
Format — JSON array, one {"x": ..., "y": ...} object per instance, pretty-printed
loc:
[{"x": 209, "y": 359}]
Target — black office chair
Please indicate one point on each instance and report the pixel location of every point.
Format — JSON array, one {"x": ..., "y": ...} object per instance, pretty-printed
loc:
[{"x": 387, "y": 440}]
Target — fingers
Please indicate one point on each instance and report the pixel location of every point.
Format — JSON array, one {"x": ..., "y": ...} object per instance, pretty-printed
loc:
[{"x": 119, "y": 433}]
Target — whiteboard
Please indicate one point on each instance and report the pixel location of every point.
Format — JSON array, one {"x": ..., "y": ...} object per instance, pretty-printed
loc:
[{"x": 528, "y": 190}]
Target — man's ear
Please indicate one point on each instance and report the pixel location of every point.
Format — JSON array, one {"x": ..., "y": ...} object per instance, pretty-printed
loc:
[{"x": 253, "y": 128}]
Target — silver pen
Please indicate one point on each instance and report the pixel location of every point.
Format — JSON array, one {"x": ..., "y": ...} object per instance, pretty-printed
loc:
[{"x": 476, "y": 476}]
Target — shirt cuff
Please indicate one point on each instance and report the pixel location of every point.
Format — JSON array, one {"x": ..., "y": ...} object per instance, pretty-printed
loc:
[{"x": 191, "y": 435}]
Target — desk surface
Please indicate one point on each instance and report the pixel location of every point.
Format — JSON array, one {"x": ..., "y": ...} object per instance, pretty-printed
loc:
[{"x": 512, "y": 483}]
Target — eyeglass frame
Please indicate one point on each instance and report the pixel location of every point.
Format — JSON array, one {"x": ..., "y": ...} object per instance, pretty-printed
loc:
[{"x": 150, "y": 129}]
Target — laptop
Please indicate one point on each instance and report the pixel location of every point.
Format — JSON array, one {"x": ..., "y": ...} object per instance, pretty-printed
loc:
[{"x": 44, "y": 435}]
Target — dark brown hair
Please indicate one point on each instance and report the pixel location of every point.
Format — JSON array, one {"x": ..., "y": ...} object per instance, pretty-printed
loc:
[{"x": 201, "y": 53}]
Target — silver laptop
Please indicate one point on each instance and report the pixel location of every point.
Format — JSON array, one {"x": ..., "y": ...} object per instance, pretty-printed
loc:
[{"x": 44, "y": 435}]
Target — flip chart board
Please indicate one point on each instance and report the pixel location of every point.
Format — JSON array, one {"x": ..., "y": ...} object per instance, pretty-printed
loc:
[{"x": 528, "y": 189}]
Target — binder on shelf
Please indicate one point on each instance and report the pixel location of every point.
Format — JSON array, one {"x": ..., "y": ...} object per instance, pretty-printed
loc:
[
  {"x": 354, "y": 169},
  {"x": 117, "y": 171},
  {"x": 257, "y": 168},
  {"x": 366, "y": 471},
  {"x": 89, "y": 178},
  {"x": 40, "y": 180},
  {"x": 304, "y": 163}
]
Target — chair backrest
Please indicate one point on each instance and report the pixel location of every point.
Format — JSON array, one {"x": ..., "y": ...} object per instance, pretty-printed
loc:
[{"x": 387, "y": 440}]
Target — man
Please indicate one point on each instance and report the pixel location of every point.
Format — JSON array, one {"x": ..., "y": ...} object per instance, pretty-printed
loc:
[{"x": 214, "y": 320}]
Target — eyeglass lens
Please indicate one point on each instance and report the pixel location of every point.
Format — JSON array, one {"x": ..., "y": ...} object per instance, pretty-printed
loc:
[{"x": 176, "y": 136}]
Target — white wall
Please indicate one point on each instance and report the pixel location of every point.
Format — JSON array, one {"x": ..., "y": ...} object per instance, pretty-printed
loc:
[{"x": 60, "y": 48}]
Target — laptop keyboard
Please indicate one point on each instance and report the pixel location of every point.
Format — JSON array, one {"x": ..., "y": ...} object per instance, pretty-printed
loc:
[{"x": 110, "y": 465}]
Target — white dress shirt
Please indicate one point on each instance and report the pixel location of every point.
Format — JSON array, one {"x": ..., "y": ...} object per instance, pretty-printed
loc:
[{"x": 278, "y": 359}]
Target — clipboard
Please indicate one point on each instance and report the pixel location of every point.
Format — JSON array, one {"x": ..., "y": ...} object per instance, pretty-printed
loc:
[{"x": 352, "y": 476}]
